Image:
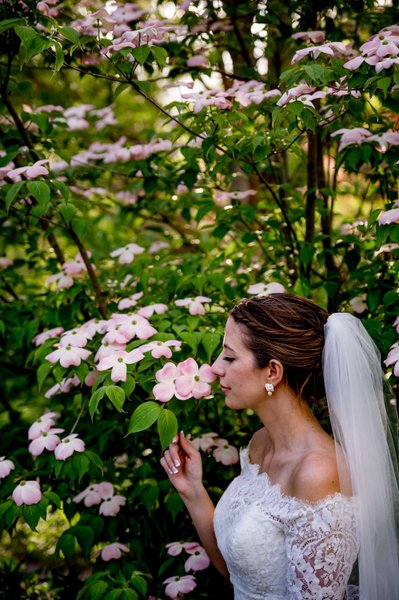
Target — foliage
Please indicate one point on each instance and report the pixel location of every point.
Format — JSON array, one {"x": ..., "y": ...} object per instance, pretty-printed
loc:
[{"x": 156, "y": 154}]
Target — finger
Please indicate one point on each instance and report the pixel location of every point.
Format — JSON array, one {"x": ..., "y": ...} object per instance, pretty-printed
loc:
[
  {"x": 175, "y": 451},
  {"x": 187, "y": 446},
  {"x": 168, "y": 468},
  {"x": 170, "y": 462}
]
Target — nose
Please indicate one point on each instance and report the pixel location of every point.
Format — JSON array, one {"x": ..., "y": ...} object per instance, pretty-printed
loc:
[{"x": 217, "y": 367}]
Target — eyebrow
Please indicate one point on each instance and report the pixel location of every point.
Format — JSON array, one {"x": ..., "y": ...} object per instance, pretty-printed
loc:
[{"x": 228, "y": 347}]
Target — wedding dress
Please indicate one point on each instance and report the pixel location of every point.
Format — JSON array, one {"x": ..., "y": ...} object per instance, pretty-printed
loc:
[{"x": 278, "y": 547}]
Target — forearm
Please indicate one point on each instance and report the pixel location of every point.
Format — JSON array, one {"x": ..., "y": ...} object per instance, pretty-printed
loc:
[{"x": 201, "y": 509}]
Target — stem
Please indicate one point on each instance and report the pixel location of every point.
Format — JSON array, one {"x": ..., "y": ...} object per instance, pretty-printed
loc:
[
  {"x": 90, "y": 271},
  {"x": 79, "y": 415}
]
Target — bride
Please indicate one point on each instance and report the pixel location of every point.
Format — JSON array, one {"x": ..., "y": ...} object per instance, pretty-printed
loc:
[{"x": 305, "y": 506}]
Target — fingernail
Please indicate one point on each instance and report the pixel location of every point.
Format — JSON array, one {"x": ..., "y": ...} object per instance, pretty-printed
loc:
[
  {"x": 175, "y": 439},
  {"x": 177, "y": 463},
  {"x": 182, "y": 432},
  {"x": 175, "y": 471}
]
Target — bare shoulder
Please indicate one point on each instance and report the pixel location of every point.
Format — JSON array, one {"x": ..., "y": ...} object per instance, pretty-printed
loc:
[{"x": 316, "y": 476}]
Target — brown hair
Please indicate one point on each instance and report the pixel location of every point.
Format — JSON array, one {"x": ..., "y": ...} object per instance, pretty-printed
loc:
[{"x": 290, "y": 329}]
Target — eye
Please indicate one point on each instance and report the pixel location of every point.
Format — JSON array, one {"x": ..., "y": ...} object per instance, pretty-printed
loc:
[{"x": 228, "y": 359}]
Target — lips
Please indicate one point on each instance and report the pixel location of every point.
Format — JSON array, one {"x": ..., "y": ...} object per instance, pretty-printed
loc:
[{"x": 225, "y": 389}]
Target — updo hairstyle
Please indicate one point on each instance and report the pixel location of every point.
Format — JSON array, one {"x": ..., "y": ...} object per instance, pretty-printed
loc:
[{"x": 290, "y": 329}]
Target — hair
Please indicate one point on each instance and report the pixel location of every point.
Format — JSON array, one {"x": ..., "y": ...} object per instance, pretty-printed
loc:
[{"x": 290, "y": 329}]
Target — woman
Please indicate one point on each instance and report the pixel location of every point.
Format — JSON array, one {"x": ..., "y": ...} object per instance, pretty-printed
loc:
[{"x": 305, "y": 505}]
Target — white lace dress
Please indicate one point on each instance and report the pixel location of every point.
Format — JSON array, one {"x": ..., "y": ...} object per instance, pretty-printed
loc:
[{"x": 278, "y": 547}]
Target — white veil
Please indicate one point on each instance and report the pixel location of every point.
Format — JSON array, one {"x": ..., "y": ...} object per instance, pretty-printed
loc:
[{"x": 354, "y": 386}]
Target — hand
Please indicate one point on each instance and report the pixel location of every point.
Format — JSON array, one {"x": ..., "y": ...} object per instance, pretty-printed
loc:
[{"x": 183, "y": 465}]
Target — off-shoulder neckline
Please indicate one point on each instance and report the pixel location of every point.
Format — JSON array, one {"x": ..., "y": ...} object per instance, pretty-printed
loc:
[{"x": 255, "y": 469}]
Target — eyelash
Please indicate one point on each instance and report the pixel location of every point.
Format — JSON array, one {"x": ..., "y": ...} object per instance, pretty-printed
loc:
[{"x": 228, "y": 359}]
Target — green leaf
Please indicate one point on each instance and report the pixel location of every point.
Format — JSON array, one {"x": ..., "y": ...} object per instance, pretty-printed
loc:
[
  {"x": 32, "y": 42},
  {"x": 128, "y": 385},
  {"x": 315, "y": 72},
  {"x": 210, "y": 342},
  {"x": 144, "y": 416},
  {"x": 40, "y": 191},
  {"x": 95, "y": 400},
  {"x": 160, "y": 55},
  {"x": 59, "y": 57},
  {"x": 192, "y": 339},
  {"x": 9, "y": 23},
  {"x": 129, "y": 594},
  {"x": 116, "y": 395},
  {"x": 140, "y": 584},
  {"x": 144, "y": 86},
  {"x": 4, "y": 506},
  {"x": 70, "y": 34},
  {"x": 94, "y": 459},
  {"x": 32, "y": 514},
  {"x": 54, "y": 498},
  {"x": 66, "y": 543},
  {"x": 141, "y": 53},
  {"x": 43, "y": 372},
  {"x": 113, "y": 594},
  {"x": 85, "y": 536},
  {"x": 121, "y": 87},
  {"x": 13, "y": 192},
  {"x": 97, "y": 590},
  {"x": 167, "y": 427}
]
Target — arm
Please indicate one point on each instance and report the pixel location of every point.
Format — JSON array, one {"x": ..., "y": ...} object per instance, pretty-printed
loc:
[{"x": 183, "y": 465}]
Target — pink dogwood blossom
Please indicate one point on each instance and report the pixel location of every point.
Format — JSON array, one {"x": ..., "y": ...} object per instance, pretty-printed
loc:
[
  {"x": 315, "y": 37},
  {"x": 389, "y": 216},
  {"x": 47, "y": 440},
  {"x": 132, "y": 325},
  {"x": 27, "y": 492},
  {"x": 95, "y": 493},
  {"x": 197, "y": 61},
  {"x": 107, "y": 349},
  {"x": 205, "y": 441},
  {"x": 195, "y": 305},
  {"x": 127, "y": 253},
  {"x": 47, "y": 335},
  {"x": 330, "y": 48},
  {"x": 198, "y": 560},
  {"x": 130, "y": 301},
  {"x": 165, "y": 389},
  {"x": 75, "y": 337},
  {"x": 225, "y": 453},
  {"x": 111, "y": 506},
  {"x": 194, "y": 381},
  {"x": 263, "y": 289},
  {"x": 175, "y": 548},
  {"x": 68, "y": 355},
  {"x": 68, "y": 446},
  {"x": 358, "y": 304},
  {"x": 113, "y": 551},
  {"x": 393, "y": 358},
  {"x": 151, "y": 309},
  {"x": 31, "y": 172},
  {"x": 63, "y": 281},
  {"x": 44, "y": 423},
  {"x": 179, "y": 585},
  {"x": 118, "y": 361},
  {"x": 158, "y": 348},
  {"x": 6, "y": 466}
]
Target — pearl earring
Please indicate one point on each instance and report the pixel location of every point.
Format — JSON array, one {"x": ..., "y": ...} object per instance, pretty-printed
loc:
[{"x": 269, "y": 387}]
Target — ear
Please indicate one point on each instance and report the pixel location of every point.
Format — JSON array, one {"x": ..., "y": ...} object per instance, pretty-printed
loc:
[{"x": 274, "y": 372}]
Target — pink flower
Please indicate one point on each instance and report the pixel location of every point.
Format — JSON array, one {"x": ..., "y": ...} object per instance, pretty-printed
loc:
[
  {"x": 165, "y": 389},
  {"x": 158, "y": 348},
  {"x": 195, "y": 306},
  {"x": 197, "y": 61},
  {"x": 315, "y": 37},
  {"x": 47, "y": 440},
  {"x": 175, "y": 548},
  {"x": 263, "y": 289},
  {"x": 64, "y": 386},
  {"x": 118, "y": 361},
  {"x": 113, "y": 551},
  {"x": 44, "y": 423},
  {"x": 31, "y": 172},
  {"x": 198, "y": 560},
  {"x": 354, "y": 63},
  {"x": 107, "y": 349},
  {"x": 68, "y": 355},
  {"x": 64, "y": 281},
  {"x": 127, "y": 253},
  {"x": 27, "y": 492},
  {"x": 131, "y": 301},
  {"x": 393, "y": 358},
  {"x": 194, "y": 381},
  {"x": 111, "y": 506},
  {"x": 179, "y": 585},
  {"x": 6, "y": 466},
  {"x": 357, "y": 304},
  {"x": 205, "y": 441},
  {"x": 389, "y": 216},
  {"x": 68, "y": 446},
  {"x": 47, "y": 335},
  {"x": 75, "y": 337},
  {"x": 148, "y": 311},
  {"x": 330, "y": 48},
  {"x": 95, "y": 493},
  {"x": 357, "y": 135},
  {"x": 133, "y": 325},
  {"x": 5, "y": 262},
  {"x": 224, "y": 453},
  {"x": 74, "y": 267}
]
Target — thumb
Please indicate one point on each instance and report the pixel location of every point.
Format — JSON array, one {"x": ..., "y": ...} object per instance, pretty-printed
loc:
[{"x": 186, "y": 444}]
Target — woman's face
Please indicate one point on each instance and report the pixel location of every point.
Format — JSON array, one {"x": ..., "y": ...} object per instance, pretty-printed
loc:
[{"x": 241, "y": 380}]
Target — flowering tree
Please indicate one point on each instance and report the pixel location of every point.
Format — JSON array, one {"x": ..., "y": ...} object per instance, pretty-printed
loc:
[{"x": 157, "y": 164}]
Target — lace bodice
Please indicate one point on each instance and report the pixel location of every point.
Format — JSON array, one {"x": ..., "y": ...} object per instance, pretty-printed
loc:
[{"x": 278, "y": 547}]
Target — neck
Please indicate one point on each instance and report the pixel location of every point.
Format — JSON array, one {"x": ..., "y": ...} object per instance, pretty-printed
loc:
[{"x": 289, "y": 422}]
